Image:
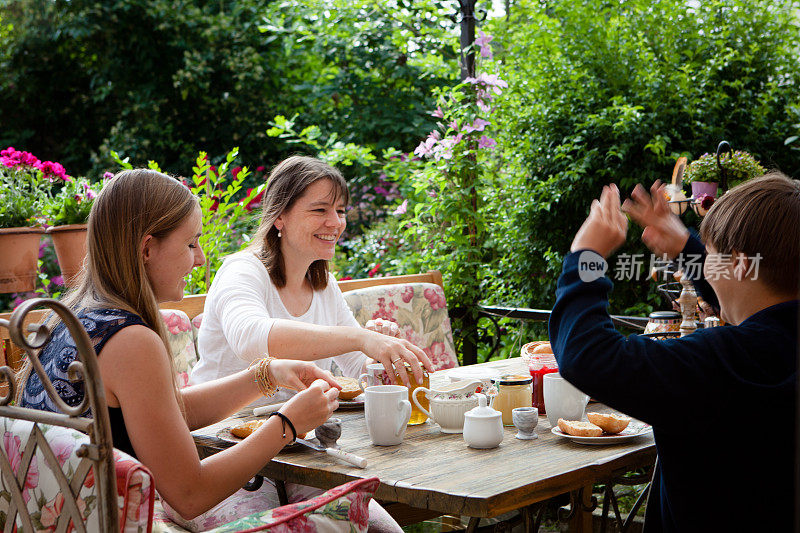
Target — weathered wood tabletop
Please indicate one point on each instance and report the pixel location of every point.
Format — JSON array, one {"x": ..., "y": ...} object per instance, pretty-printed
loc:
[{"x": 438, "y": 472}]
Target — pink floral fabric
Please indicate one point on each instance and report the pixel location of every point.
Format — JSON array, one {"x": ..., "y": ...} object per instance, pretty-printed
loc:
[
  {"x": 419, "y": 309},
  {"x": 181, "y": 341},
  {"x": 342, "y": 509},
  {"x": 41, "y": 492}
]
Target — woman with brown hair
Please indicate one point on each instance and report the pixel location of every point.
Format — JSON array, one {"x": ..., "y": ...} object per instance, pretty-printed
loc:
[
  {"x": 278, "y": 298},
  {"x": 142, "y": 242}
]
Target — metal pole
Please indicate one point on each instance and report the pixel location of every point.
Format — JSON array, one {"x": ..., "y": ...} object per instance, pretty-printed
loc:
[{"x": 467, "y": 38}]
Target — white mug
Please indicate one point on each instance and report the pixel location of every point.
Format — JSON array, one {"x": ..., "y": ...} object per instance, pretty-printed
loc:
[
  {"x": 562, "y": 399},
  {"x": 387, "y": 410},
  {"x": 376, "y": 375}
]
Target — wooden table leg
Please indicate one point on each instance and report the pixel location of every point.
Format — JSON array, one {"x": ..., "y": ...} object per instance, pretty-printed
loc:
[
  {"x": 283, "y": 498},
  {"x": 473, "y": 525},
  {"x": 581, "y": 521}
]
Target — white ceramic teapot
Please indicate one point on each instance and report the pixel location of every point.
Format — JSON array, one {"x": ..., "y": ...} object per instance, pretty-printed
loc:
[
  {"x": 449, "y": 403},
  {"x": 483, "y": 426}
]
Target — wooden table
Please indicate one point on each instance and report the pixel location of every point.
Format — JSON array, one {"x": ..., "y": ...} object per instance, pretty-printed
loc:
[{"x": 439, "y": 473}]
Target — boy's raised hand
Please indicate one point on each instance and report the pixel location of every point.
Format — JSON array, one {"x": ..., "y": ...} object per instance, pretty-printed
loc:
[
  {"x": 605, "y": 228},
  {"x": 664, "y": 233}
]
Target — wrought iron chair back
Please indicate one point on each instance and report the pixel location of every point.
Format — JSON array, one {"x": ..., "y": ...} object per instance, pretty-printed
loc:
[{"x": 97, "y": 455}]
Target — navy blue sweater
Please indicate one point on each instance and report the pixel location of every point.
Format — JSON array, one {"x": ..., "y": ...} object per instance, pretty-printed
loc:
[{"x": 721, "y": 402}]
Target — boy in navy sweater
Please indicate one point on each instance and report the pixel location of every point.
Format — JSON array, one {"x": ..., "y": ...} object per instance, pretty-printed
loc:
[{"x": 721, "y": 400}]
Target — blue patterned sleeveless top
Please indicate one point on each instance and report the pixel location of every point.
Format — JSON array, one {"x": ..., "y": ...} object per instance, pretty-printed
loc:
[{"x": 56, "y": 356}]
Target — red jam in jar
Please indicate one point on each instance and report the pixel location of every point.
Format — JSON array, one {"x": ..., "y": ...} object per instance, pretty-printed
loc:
[{"x": 539, "y": 365}]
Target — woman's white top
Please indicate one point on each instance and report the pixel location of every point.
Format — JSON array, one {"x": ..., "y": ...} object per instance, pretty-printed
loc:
[{"x": 240, "y": 310}]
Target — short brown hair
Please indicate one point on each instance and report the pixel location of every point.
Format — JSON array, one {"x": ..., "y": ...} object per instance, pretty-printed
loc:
[
  {"x": 760, "y": 216},
  {"x": 286, "y": 183}
]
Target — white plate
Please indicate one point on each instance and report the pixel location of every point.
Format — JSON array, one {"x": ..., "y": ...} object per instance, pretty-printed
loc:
[
  {"x": 634, "y": 429},
  {"x": 355, "y": 403}
]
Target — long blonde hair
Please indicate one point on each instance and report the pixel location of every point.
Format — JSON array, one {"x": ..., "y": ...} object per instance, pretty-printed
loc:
[{"x": 132, "y": 205}]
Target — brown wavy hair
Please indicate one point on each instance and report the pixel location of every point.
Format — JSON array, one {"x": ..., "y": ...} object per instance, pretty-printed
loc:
[{"x": 287, "y": 182}]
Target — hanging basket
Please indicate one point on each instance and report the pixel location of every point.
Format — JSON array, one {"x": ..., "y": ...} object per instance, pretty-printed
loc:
[
  {"x": 19, "y": 258},
  {"x": 70, "y": 244}
]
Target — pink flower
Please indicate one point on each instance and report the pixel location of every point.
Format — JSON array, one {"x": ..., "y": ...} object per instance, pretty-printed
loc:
[
  {"x": 401, "y": 209},
  {"x": 63, "y": 450},
  {"x": 58, "y": 280},
  {"x": 425, "y": 147},
  {"x": 175, "y": 323},
  {"x": 436, "y": 298},
  {"x": 486, "y": 142},
  {"x": 53, "y": 170},
  {"x": 437, "y": 353},
  {"x": 11, "y": 443},
  {"x": 478, "y": 125},
  {"x": 438, "y": 113},
  {"x": 107, "y": 175},
  {"x": 235, "y": 171},
  {"x": 489, "y": 80},
  {"x": 483, "y": 41},
  {"x": 358, "y": 513},
  {"x": 408, "y": 294},
  {"x": 261, "y": 168},
  {"x": 52, "y": 510}
]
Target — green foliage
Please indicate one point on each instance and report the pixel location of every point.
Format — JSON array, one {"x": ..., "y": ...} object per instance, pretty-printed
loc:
[
  {"x": 22, "y": 191},
  {"x": 72, "y": 204},
  {"x": 153, "y": 80},
  {"x": 740, "y": 166},
  {"x": 222, "y": 213},
  {"x": 597, "y": 95}
]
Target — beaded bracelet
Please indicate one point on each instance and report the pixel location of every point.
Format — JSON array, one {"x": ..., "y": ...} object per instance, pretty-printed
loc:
[
  {"x": 262, "y": 377},
  {"x": 285, "y": 420}
]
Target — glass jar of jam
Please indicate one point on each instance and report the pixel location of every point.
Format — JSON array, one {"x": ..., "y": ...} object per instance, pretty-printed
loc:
[
  {"x": 512, "y": 391},
  {"x": 539, "y": 365}
]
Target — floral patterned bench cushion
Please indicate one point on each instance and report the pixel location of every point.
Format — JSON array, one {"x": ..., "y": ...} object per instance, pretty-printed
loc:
[
  {"x": 419, "y": 309},
  {"x": 341, "y": 509},
  {"x": 40, "y": 489},
  {"x": 182, "y": 342}
]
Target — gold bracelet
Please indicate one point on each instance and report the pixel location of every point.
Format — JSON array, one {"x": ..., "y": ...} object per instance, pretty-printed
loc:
[{"x": 262, "y": 377}]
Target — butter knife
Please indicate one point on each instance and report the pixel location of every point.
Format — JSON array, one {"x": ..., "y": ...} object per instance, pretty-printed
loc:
[{"x": 333, "y": 452}]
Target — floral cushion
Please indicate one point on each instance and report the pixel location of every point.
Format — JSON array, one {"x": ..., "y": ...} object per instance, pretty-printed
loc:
[
  {"x": 419, "y": 309},
  {"x": 181, "y": 341},
  {"x": 341, "y": 509},
  {"x": 41, "y": 492}
]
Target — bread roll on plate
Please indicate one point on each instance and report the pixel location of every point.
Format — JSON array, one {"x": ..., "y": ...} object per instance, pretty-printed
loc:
[
  {"x": 579, "y": 429},
  {"x": 245, "y": 430},
  {"x": 610, "y": 423},
  {"x": 350, "y": 387}
]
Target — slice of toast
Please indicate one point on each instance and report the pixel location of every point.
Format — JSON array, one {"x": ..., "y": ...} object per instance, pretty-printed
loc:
[
  {"x": 350, "y": 388},
  {"x": 579, "y": 429},
  {"x": 610, "y": 422}
]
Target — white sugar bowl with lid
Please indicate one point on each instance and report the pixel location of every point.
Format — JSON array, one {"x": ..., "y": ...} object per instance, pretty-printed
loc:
[
  {"x": 483, "y": 426},
  {"x": 448, "y": 403}
]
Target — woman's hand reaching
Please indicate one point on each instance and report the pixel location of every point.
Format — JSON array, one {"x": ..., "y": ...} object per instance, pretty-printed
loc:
[
  {"x": 298, "y": 375},
  {"x": 664, "y": 233},
  {"x": 392, "y": 353}
]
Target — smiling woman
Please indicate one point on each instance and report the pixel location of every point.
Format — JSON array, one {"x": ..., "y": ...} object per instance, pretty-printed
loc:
[{"x": 278, "y": 298}]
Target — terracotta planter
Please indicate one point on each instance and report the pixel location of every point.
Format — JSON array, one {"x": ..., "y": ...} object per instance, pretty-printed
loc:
[
  {"x": 704, "y": 187},
  {"x": 19, "y": 256},
  {"x": 70, "y": 243}
]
